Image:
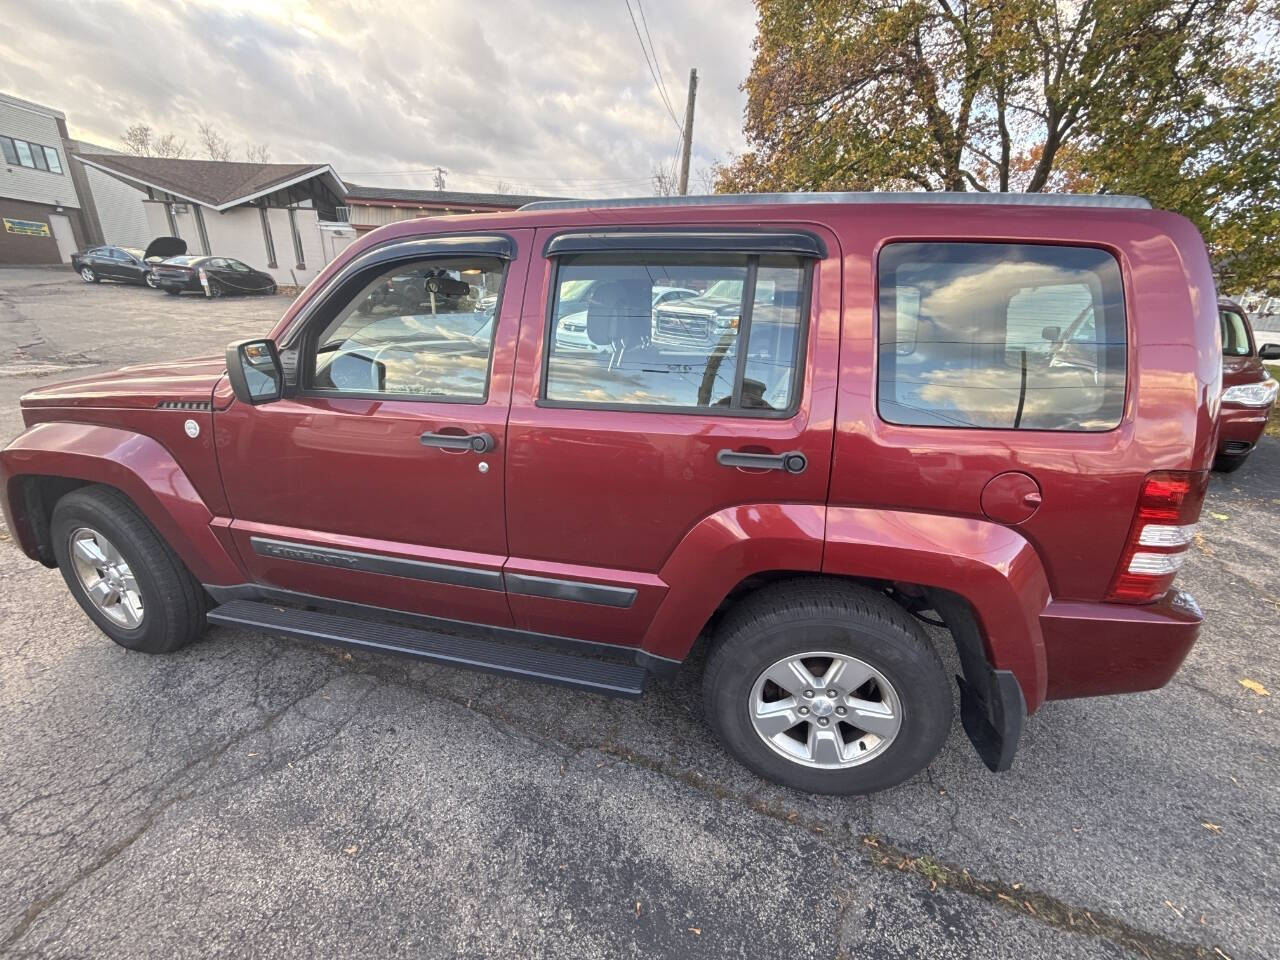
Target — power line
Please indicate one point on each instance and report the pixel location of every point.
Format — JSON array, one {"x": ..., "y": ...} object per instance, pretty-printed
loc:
[
  {"x": 645, "y": 50},
  {"x": 662, "y": 79}
]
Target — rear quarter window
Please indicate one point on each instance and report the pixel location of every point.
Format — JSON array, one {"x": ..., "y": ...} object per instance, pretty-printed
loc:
[{"x": 1001, "y": 336}]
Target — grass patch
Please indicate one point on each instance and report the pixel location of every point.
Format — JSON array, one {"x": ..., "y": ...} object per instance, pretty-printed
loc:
[{"x": 1273, "y": 422}]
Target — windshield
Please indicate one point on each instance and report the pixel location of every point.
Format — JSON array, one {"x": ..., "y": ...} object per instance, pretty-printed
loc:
[
  {"x": 1235, "y": 336},
  {"x": 183, "y": 261},
  {"x": 732, "y": 290}
]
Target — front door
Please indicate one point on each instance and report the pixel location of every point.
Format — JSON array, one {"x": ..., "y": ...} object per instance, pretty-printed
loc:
[
  {"x": 671, "y": 393},
  {"x": 63, "y": 236},
  {"x": 381, "y": 480}
]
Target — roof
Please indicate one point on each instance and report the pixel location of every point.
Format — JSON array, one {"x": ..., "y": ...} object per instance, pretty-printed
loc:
[
  {"x": 1110, "y": 200},
  {"x": 440, "y": 198},
  {"x": 219, "y": 184},
  {"x": 9, "y": 100}
]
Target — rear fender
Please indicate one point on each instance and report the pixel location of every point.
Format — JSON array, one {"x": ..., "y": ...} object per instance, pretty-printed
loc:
[
  {"x": 991, "y": 566},
  {"x": 134, "y": 464},
  {"x": 719, "y": 553}
]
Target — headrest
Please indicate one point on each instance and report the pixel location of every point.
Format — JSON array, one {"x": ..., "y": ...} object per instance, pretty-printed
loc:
[{"x": 619, "y": 312}]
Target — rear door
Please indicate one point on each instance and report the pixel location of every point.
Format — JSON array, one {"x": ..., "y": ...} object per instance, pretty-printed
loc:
[
  {"x": 623, "y": 438},
  {"x": 380, "y": 480}
]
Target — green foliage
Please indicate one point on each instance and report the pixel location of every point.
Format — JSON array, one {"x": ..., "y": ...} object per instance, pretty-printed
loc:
[{"x": 1175, "y": 101}]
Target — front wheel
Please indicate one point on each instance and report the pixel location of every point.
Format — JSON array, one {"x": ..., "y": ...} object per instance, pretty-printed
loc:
[
  {"x": 1229, "y": 462},
  {"x": 87, "y": 275},
  {"x": 128, "y": 580},
  {"x": 827, "y": 687},
  {"x": 150, "y": 280}
]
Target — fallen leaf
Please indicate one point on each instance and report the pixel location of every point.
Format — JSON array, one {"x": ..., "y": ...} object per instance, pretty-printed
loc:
[
  {"x": 637, "y": 908},
  {"x": 696, "y": 931},
  {"x": 1255, "y": 686},
  {"x": 352, "y": 850},
  {"x": 1220, "y": 516},
  {"x": 1211, "y": 827}
]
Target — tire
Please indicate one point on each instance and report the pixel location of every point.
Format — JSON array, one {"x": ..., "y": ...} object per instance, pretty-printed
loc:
[
  {"x": 89, "y": 275},
  {"x": 215, "y": 289},
  {"x": 865, "y": 630},
  {"x": 1229, "y": 462},
  {"x": 150, "y": 280},
  {"x": 172, "y": 602},
  {"x": 172, "y": 292}
]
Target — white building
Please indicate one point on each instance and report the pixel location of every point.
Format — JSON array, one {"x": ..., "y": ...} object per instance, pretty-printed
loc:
[
  {"x": 42, "y": 219},
  {"x": 267, "y": 215}
]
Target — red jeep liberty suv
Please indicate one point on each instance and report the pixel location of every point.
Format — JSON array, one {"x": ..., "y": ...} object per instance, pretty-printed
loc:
[{"x": 497, "y": 442}]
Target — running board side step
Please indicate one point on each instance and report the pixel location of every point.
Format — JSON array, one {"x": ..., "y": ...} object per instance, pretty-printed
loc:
[{"x": 468, "y": 653}]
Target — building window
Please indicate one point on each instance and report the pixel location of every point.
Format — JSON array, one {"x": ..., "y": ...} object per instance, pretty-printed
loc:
[
  {"x": 25, "y": 154},
  {"x": 297, "y": 239},
  {"x": 173, "y": 221},
  {"x": 204, "y": 235},
  {"x": 266, "y": 238}
]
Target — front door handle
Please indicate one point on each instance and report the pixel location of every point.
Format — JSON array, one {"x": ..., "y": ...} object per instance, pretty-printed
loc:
[
  {"x": 475, "y": 442},
  {"x": 792, "y": 462}
]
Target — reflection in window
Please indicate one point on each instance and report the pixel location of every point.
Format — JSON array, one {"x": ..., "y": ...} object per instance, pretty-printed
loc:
[
  {"x": 422, "y": 329},
  {"x": 1014, "y": 336},
  {"x": 666, "y": 329}
]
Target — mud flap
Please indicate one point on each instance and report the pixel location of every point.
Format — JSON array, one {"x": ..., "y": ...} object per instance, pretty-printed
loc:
[{"x": 993, "y": 717}]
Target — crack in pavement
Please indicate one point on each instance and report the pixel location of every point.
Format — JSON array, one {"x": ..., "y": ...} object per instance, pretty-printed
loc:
[{"x": 114, "y": 850}]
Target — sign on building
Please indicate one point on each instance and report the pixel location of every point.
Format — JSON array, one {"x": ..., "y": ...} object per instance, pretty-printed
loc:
[{"x": 30, "y": 228}]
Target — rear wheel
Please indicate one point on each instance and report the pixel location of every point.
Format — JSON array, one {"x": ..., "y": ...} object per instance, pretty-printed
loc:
[
  {"x": 215, "y": 288},
  {"x": 88, "y": 275},
  {"x": 128, "y": 580},
  {"x": 827, "y": 687}
]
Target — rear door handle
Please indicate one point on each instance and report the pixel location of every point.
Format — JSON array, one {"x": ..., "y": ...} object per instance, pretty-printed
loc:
[
  {"x": 475, "y": 442},
  {"x": 792, "y": 462}
]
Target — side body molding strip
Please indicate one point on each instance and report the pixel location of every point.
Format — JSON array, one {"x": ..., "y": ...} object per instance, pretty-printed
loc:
[{"x": 553, "y": 588}]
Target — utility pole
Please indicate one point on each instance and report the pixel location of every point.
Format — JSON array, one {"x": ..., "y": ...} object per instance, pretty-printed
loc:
[
  {"x": 439, "y": 178},
  {"x": 688, "y": 132}
]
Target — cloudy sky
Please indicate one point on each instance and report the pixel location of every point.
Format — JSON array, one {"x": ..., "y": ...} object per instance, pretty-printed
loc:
[{"x": 547, "y": 96}]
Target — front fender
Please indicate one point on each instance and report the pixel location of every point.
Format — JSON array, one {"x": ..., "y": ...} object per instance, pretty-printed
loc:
[
  {"x": 133, "y": 463},
  {"x": 718, "y": 553},
  {"x": 991, "y": 566}
]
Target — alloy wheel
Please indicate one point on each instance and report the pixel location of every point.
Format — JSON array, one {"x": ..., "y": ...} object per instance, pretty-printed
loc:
[
  {"x": 86, "y": 275},
  {"x": 105, "y": 576},
  {"x": 825, "y": 709}
]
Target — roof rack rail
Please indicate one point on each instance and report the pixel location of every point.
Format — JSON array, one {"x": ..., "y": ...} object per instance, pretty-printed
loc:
[{"x": 1109, "y": 200}]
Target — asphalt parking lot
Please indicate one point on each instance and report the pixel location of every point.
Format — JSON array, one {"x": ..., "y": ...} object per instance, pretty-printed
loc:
[{"x": 251, "y": 796}]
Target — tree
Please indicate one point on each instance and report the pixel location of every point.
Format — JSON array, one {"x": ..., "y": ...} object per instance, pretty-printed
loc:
[
  {"x": 665, "y": 182},
  {"x": 141, "y": 141},
  {"x": 215, "y": 145},
  {"x": 257, "y": 153},
  {"x": 1173, "y": 100}
]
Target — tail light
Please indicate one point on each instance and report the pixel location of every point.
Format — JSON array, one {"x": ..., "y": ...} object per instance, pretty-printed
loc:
[{"x": 1163, "y": 526}]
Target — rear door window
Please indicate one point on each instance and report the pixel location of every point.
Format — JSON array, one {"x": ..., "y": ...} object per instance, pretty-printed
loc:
[
  {"x": 1002, "y": 336},
  {"x": 715, "y": 333}
]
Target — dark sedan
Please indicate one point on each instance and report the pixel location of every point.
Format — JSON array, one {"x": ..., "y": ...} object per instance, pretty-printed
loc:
[
  {"x": 213, "y": 276},
  {"x": 125, "y": 264}
]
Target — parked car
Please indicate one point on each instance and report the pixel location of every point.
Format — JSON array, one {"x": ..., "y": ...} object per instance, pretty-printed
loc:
[
  {"x": 571, "y": 330},
  {"x": 216, "y": 276},
  {"x": 1249, "y": 391},
  {"x": 125, "y": 264},
  {"x": 870, "y": 430}
]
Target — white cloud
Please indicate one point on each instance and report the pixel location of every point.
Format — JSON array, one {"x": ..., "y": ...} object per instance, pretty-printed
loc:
[{"x": 551, "y": 96}]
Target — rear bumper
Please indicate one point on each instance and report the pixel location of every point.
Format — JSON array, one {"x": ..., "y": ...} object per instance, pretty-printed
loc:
[
  {"x": 1093, "y": 649},
  {"x": 1239, "y": 428},
  {"x": 179, "y": 283}
]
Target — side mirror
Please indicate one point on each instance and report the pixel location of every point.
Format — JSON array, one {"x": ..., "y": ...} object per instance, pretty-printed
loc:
[
  {"x": 1269, "y": 351},
  {"x": 1052, "y": 334},
  {"x": 253, "y": 367}
]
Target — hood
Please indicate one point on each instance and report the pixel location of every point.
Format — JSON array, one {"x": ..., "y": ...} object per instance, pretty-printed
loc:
[
  {"x": 1238, "y": 370},
  {"x": 165, "y": 247},
  {"x": 144, "y": 386}
]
